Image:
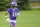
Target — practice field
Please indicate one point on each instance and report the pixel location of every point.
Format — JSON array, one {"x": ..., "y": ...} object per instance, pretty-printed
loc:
[{"x": 26, "y": 19}]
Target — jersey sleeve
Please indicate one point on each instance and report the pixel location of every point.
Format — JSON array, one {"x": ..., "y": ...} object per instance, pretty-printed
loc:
[
  {"x": 8, "y": 11},
  {"x": 17, "y": 10}
]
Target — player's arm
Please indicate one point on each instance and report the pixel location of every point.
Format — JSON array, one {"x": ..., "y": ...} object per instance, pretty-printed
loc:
[
  {"x": 6, "y": 15},
  {"x": 17, "y": 14},
  {"x": 8, "y": 11}
]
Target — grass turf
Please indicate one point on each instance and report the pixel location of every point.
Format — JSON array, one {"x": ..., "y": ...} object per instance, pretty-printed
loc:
[{"x": 26, "y": 19}]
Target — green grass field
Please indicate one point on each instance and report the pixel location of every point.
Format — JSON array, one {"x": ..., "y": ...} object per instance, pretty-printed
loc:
[{"x": 26, "y": 19}]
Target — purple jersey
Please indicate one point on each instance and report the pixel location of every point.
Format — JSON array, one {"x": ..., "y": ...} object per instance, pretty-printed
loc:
[{"x": 12, "y": 13}]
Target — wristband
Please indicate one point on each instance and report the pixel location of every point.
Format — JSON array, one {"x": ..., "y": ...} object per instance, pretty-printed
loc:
[{"x": 5, "y": 16}]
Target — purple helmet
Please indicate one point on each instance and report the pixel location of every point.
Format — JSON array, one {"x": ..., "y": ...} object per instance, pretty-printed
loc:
[{"x": 14, "y": 4}]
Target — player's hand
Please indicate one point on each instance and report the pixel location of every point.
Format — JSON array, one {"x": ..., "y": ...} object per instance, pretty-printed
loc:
[{"x": 8, "y": 20}]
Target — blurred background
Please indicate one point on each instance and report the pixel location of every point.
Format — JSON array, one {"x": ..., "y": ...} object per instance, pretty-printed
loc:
[
  {"x": 29, "y": 13},
  {"x": 22, "y": 4}
]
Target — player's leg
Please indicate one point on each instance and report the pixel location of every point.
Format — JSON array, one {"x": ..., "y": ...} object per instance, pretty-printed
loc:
[
  {"x": 10, "y": 25},
  {"x": 13, "y": 24}
]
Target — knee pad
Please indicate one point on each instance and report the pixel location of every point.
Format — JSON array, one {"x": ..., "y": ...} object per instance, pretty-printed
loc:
[{"x": 13, "y": 24}]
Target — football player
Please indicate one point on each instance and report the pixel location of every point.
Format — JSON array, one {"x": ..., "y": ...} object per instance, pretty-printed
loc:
[{"x": 13, "y": 12}]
